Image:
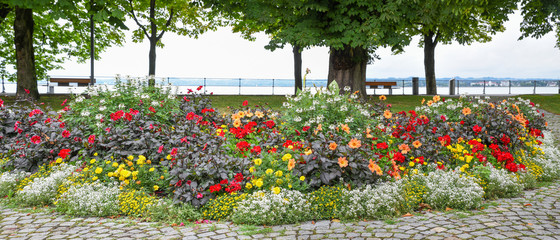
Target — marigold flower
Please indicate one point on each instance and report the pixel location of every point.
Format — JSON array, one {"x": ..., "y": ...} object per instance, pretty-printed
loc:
[
  {"x": 382, "y": 98},
  {"x": 286, "y": 157},
  {"x": 156, "y": 187},
  {"x": 259, "y": 182},
  {"x": 302, "y": 178},
  {"x": 417, "y": 144},
  {"x": 115, "y": 164},
  {"x": 248, "y": 185},
  {"x": 276, "y": 190},
  {"x": 342, "y": 162},
  {"x": 387, "y": 114},
  {"x": 98, "y": 170},
  {"x": 332, "y": 146},
  {"x": 125, "y": 173},
  {"x": 374, "y": 168},
  {"x": 59, "y": 160},
  {"x": 278, "y": 173},
  {"x": 152, "y": 169},
  {"x": 466, "y": 111},
  {"x": 355, "y": 143},
  {"x": 291, "y": 164},
  {"x": 258, "y": 161},
  {"x": 269, "y": 171},
  {"x": 92, "y": 161}
]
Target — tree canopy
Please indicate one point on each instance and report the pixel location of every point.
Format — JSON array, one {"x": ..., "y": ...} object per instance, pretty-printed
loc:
[{"x": 539, "y": 18}]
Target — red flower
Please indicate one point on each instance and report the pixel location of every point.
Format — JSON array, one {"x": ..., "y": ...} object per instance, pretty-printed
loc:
[
  {"x": 128, "y": 116},
  {"x": 198, "y": 88},
  {"x": 245, "y": 103},
  {"x": 256, "y": 150},
  {"x": 160, "y": 149},
  {"x": 476, "y": 128},
  {"x": 382, "y": 145},
  {"x": 63, "y": 102},
  {"x": 173, "y": 152},
  {"x": 117, "y": 115},
  {"x": 243, "y": 146},
  {"x": 505, "y": 139},
  {"x": 270, "y": 124},
  {"x": 34, "y": 112},
  {"x": 48, "y": 120},
  {"x": 152, "y": 109},
  {"x": 91, "y": 139},
  {"x": 1, "y": 103},
  {"x": 225, "y": 181},
  {"x": 443, "y": 118},
  {"x": 238, "y": 177},
  {"x": 36, "y": 139},
  {"x": 306, "y": 128},
  {"x": 64, "y": 153},
  {"x": 26, "y": 91},
  {"x": 133, "y": 112},
  {"x": 462, "y": 122},
  {"x": 215, "y": 188},
  {"x": 65, "y": 133}
]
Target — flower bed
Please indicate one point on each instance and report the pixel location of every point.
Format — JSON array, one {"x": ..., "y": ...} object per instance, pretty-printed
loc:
[{"x": 323, "y": 156}]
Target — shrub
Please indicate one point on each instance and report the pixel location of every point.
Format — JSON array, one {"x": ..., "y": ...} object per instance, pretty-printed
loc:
[
  {"x": 450, "y": 189},
  {"x": 326, "y": 201},
  {"x": 499, "y": 183},
  {"x": 274, "y": 170},
  {"x": 221, "y": 207},
  {"x": 134, "y": 203},
  {"x": 373, "y": 202},
  {"x": 268, "y": 208},
  {"x": 43, "y": 190},
  {"x": 167, "y": 211},
  {"x": 92, "y": 199},
  {"x": 9, "y": 182}
]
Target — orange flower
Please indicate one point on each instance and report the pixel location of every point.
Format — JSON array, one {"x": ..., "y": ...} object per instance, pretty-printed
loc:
[
  {"x": 342, "y": 162},
  {"x": 355, "y": 143},
  {"x": 466, "y": 111},
  {"x": 345, "y": 128},
  {"x": 332, "y": 146},
  {"x": 319, "y": 128},
  {"x": 382, "y": 98},
  {"x": 404, "y": 148},
  {"x": 235, "y": 116},
  {"x": 291, "y": 164},
  {"x": 423, "y": 100},
  {"x": 430, "y": 103},
  {"x": 237, "y": 123},
  {"x": 387, "y": 114},
  {"x": 491, "y": 105},
  {"x": 417, "y": 144},
  {"x": 436, "y": 98},
  {"x": 368, "y": 135},
  {"x": 374, "y": 168}
]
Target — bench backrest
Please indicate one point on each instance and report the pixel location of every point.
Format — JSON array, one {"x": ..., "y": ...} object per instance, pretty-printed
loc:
[
  {"x": 71, "y": 80},
  {"x": 381, "y": 83}
]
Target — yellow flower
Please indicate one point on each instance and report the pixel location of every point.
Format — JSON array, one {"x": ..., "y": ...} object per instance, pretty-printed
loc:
[
  {"x": 92, "y": 161},
  {"x": 411, "y": 164},
  {"x": 308, "y": 152},
  {"x": 258, "y": 161},
  {"x": 276, "y": 190},
  {"x": 126, "y": 182},
  {"x": 278, "y": 173},
  {"x": 95, "y": 154},
  {"x": 302, "y": 178},
  {"x": 115, "y": 164},
  {"x": 290, "y": 186},
  {"x": 269, "y": 171},
  {"x": 291, "y": 164},
  {"x": 108, "y": 162},
  {"x": 259, "y": 182},
  {"x": 86, "y": 169},
  {"x": 135, "y": 173},
  {"x": 382, "y": 98},
  {"x": 286, "y": 157},
  {"x": 168, "y": 157},
  {"x": 130, "y": 157},
  {"x": 248, "y": 185},
  {"x": 141, "y": 160},
  {"x": 125, "y": 173},
  {"x": 279, "y": 181},
  {"x": 94, "y": 178},
  {"x": 152, "y": 169},
  {"x": 59, "y": 160},
  {"x": 98, "y": 170},
  {"x": 251, "y": 169},
  {"x": 110, "y": 174},
  {"x": 156, "y": 187}
]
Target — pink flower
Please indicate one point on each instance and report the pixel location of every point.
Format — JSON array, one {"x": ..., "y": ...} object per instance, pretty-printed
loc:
[
  {"x": 199, "y": 195},
  {"x": 245, "y": 103},
  {"x": 64, "y": 102},
  {"x": 1, "y": 103},
  {"x": 91, "y": 139},
  {"x": 173, "y": 152},
  {"x": 26, "y": 91},
  {"x": 107, "y": 129},
  {"x": 160, "y": 149},
  {"x": 36, "y": 139}
]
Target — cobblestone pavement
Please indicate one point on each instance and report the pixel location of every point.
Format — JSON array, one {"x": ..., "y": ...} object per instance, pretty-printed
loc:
[{"x": 535, "y": 215}]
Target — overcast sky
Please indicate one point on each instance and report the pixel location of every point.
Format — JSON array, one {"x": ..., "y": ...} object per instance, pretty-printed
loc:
[{"x": 222, "y": 54}]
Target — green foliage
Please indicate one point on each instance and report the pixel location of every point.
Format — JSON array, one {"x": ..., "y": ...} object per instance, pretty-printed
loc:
[
  {"x": 273, "y": 170},
  {"x": 326, "y": 201},
  {"x": 539, "y": 18},
  {"x": 221, "y": 207},
  {"x": 166, "y": 210},
  {"x": 92, "y": 199}
]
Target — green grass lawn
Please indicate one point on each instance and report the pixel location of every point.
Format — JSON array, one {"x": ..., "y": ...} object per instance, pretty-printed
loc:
[{"x": 550, "y": 103}]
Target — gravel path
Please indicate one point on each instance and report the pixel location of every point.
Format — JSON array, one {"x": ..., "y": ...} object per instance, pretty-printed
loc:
[{"x": 535, "y": 215}]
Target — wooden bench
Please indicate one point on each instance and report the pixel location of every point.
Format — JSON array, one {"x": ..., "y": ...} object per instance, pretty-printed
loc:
[
  {"x": 82, "y": 82},
  {"x": 385, "y": 85}
]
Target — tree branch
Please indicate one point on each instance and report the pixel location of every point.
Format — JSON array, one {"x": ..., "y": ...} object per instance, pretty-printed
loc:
[
  {"x": 436, "y": 39},
  {"x": 171, "y": 13},
  {"x": 136, "y": 19}
]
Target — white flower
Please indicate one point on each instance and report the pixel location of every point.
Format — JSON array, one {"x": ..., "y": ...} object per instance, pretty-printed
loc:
[
  {"x": 155, "y": 103},
  {"x": 145, "y": 95},
  {"x": 85, "y": 113},
  {"x": 102, "y": 108},
  {"x": 299, "y": 110},
  {"x": 121, "y": 106},
  {"x": 79, "y": 99},
  {"x": 102, "y": 101},
  {"x": 346, "y": 88},
  {"x": 343, "y": 108},
  {"x": 297, "y": 119}
]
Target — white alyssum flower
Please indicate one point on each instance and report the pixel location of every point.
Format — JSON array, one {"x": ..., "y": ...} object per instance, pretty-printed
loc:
[
  {"x": 91, "y": 199},
  {"x": 43, "y": 190},
  {"x": 297, "y": 119},
  {"x": 9, "y": 181},
  {"x": 265, "y": 207},
  {"x": 85, "y": 113}
]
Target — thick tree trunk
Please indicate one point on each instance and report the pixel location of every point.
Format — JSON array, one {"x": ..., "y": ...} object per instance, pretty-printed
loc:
[
  {"x": 347, "y": 67},
  {"x": 25, "y": 58},
  {"x": 429, "y": 63},
  {"x": 4, "y": 11},
  {"x": 153, "y": 41},
  {"x": 297, "y": 68}
]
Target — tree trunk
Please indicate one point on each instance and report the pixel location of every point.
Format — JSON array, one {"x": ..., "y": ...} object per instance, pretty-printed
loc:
[
  {"x": 429, "y": 63},
  {"x": 4, "y": 11},
  {"x": 25, "y": 58},
  {"x": 347, "y": 67},
  {"x": 153, "y": 41},
  {"x": 297, "y": 68}
]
